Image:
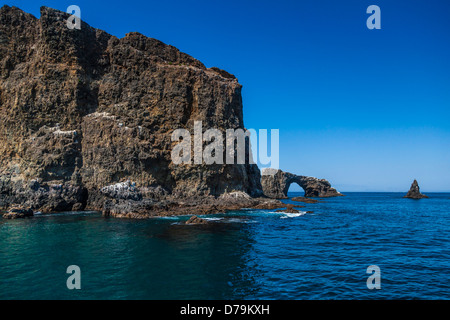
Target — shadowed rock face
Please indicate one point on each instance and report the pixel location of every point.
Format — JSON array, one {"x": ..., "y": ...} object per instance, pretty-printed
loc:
[
  {"x": 83, "y": 112},
  {"x": 414, "y": 192},
  {"x": 276, "y": 183}
]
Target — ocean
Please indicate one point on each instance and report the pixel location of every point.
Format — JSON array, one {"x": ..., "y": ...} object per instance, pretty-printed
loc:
[{"x": 247, "y": 254}]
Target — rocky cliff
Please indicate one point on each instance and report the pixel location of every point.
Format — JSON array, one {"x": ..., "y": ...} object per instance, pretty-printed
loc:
[
  {"x": 414, "y": 192},
  {"x": 86, "y": 119},
  {"x": 276, "y": 183}
]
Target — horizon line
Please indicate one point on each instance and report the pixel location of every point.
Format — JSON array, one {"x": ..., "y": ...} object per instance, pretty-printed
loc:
[{"x": 343, "y": 192}]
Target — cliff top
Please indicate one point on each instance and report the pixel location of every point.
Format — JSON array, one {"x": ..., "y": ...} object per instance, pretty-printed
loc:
[{"x": 53, "y": 20}]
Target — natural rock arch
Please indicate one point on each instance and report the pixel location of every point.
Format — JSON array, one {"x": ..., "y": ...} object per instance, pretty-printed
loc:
[
  {"x": 276, "y": 185},
  {"x": 288, "y": 186}
]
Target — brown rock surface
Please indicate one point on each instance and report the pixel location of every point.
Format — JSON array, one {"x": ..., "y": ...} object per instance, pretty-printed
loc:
[
  {"x": 305, "y": 200},
  {"x": 86, "y": 121},
  {"x": 196, "y": 220}
]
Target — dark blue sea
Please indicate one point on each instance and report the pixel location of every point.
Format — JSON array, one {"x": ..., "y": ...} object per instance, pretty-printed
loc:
[{"x": 249, "y": 254}]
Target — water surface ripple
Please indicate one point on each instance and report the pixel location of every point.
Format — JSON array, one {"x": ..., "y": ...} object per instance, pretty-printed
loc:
[{"x": 241, "y": 255}]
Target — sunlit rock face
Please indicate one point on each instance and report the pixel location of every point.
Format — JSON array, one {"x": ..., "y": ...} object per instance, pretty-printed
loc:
[{"x": 82, "y": 110}]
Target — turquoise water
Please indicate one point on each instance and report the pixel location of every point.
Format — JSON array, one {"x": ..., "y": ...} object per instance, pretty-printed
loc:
[{"x": 241, "y": 255}]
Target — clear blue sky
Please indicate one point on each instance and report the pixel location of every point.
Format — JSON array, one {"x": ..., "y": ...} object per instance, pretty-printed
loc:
[{"x": 368, "y": 110}]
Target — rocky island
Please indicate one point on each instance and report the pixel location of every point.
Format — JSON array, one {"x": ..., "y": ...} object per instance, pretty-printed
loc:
[
  {"x": 414, "y": 192},
  {"x": 86, "y": 121}
]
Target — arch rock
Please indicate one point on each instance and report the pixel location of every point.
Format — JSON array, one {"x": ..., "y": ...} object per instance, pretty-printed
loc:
[{"x": 276, "y": 183}]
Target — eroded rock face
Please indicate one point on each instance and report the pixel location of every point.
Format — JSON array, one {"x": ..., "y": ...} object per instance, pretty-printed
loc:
[
  {"x": 276, "y": 183},
  {"x": 83, "y": 112},
  {"x": 414, "y": 192}
]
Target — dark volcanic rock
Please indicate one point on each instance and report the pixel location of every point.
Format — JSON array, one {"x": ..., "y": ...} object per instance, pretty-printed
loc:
[
  {"x": 86, "y": 121},
  {"x": 289, "y": 209},
  {"x": 196, "y": 220},
  {"x": 41, "y": 196},
  {"x": 121, "y": 208},
  {"x": 276, "y": 183},
  {"x": 414, "y": 192},
  {"x": 305, "y": 200},
  {"x": 18, "y": 213}
]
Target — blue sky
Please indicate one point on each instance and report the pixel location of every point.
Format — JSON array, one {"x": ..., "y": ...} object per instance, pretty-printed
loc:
[{"x": 368, "y": 110}]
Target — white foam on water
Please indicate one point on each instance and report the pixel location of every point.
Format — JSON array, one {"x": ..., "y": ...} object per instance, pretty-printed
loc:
[
  {"x": 212, "y": 219},
  {"x": 168, "y": 218},
  {"x": 240, "y": 220},
  {"x": 293, "y": 215},
  {"x": 64, "y": 213}
]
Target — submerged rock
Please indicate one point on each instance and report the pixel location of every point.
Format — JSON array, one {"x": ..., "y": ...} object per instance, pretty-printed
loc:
[
  {"x": 305, "y": 200},
  {"x": 196, "y": 220},
  {"x": 414, "y": 192}
]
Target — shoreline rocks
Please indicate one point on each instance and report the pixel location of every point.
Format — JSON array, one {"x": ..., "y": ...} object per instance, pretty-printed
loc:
[
  {"x": 414, "y": 192},
  {"x": 18, "y": 213}
]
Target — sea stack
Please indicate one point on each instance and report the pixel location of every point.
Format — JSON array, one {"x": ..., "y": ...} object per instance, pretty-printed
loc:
[{"x": 414, "y": 192}]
